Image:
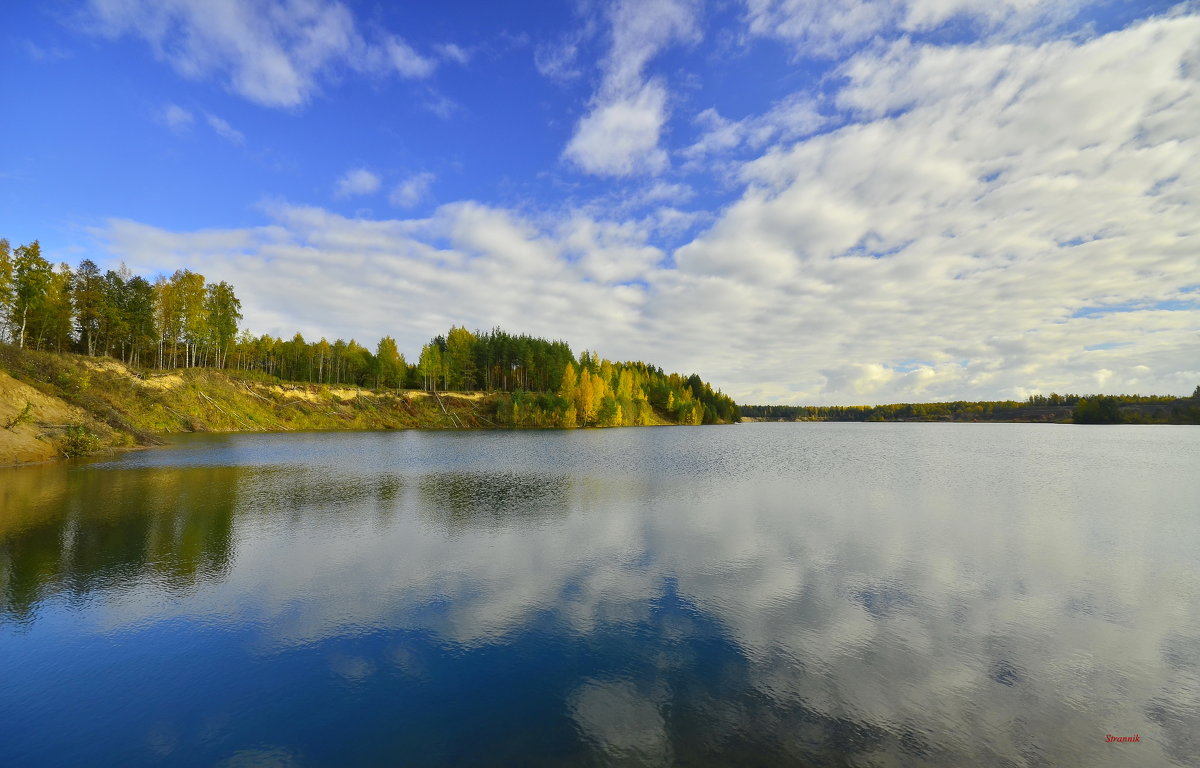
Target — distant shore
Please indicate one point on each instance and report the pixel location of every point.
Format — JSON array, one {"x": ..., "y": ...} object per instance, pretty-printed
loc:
[{"x": 1054, "y": 409}]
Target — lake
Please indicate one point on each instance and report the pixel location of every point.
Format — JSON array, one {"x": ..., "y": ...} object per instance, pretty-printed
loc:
[{"x": 758, "y": 594}]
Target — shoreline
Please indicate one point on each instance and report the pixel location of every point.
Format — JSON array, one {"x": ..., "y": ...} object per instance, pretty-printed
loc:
[
  {"x": 115, "y": 450},
  {"x": 60, "y": 406}
]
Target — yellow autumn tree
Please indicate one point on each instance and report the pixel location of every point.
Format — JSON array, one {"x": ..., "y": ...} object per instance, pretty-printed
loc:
[
  {"x": 587, "y": 400},
  {"x": 606, "y": 373},
  {"x": 459, "y": 363},
  {"x": 569, "y": 392}
]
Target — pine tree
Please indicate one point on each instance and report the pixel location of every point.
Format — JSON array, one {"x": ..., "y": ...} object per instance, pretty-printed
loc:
[
  {"x": 88, "y": 290},
  {"x": 139, "y": 313}
]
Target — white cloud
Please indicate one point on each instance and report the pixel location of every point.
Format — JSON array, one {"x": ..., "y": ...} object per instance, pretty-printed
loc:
[
  {"x": 271, "y": 52},
  {"x": 468, "y": 263},
  {"x": 180, "y": 121},
  {"x": 357, "y": 181},
  {"x": 620, "y": 134},
  {"x": 1006, "y": 16},
  {"x": 455, "y": 53},
  {"x": 640, "y": 30},
  {"x": 225, "y": 130},
  {"x": 821, "y": 28},
  {"x": 412, "y": 190},
  {"x": 994, "y": 220},
  {"x": 672, "y": 222},
  {"x": 440, "y": 105},
  {"x": 407, "y": 61},
  {"x": 176, "y": 118},
  {"x": 957, "y": 244},
  {"x": 788, "y": 119},
  {"x": 606, "y": 251},
  {"x": 830, "y": 27},
  {"x": 665, "y": 192},
  {"x": 558, "y": 60}
]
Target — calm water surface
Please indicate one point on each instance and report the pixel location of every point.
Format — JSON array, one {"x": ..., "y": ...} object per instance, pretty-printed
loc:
[{"x": 764, "y": 594}]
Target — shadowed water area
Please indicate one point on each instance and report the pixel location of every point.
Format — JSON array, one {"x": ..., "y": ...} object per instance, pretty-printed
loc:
[{"x": 763, "y": 594}]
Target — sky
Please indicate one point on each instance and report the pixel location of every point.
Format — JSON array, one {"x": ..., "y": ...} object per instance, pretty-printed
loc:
[{"x": 805, "y": 202}]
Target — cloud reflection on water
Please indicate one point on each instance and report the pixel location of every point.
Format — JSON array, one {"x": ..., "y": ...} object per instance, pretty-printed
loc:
[{"x": 896, "y": 594}]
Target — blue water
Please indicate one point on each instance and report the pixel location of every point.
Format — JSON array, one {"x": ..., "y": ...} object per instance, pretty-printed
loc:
[{"x": 761, "y": 594}]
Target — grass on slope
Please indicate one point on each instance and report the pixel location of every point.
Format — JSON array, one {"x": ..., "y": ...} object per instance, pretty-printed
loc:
[{"x": 120, "y": 407}]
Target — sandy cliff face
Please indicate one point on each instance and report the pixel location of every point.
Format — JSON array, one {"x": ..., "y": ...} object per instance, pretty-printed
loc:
[
  {"x": 32, "y": 434},
  {"x": 55, "y": 406},
  {"x": 62, "y": 405}
]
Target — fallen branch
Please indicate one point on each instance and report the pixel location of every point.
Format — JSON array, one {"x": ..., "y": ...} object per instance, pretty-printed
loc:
[
  {"x": 252, "y": 393},
  {"x": 243, "y": 422},
  {"x": 478, "y": 415},
  {"x": 448, "y": 414}
]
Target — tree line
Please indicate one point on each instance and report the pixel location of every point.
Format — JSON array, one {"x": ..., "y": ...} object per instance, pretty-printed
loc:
[
  {"x": 1081, "y": 409},
  {"x": 185, "y": 321},
  {"x": 180, "y": 321}
]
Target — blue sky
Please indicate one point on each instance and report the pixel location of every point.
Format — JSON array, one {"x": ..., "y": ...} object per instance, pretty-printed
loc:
[{"x": 833, "y": 202}]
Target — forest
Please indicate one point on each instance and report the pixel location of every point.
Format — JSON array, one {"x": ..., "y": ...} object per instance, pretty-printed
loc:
[
  {"x": 185, "y": 321},
  {"x": 1080, "y": 409}
]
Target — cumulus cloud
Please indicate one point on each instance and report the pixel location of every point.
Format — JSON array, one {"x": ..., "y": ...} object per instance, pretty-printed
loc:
[
  {"x": 619, "y": 136},
  {"x": 412, "y": 190},
  {"x": 1019, "y": 185},
  {"x": 986, "y": 222},
  {"x": 606, "y": 251},
  {"x": 468, "y": 264},
  {"x": 357, "y": 181},
  {"x": 272, "y": 53}
]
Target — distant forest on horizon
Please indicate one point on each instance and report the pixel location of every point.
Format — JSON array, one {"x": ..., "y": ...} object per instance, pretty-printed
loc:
[
  {"x": 1080, "y": 409},
  {"x": 184, "y": 321}
]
